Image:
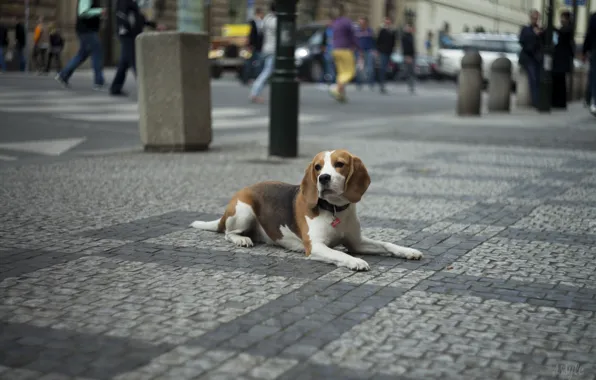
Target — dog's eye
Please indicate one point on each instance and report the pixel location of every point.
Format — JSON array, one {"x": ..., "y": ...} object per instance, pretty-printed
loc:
[
  {"x": 339, "y": 164},
  {"x": 317, "y": 167}
]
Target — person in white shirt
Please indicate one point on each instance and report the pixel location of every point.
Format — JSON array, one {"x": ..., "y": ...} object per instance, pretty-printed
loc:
[{"x": 267, "y": 54}]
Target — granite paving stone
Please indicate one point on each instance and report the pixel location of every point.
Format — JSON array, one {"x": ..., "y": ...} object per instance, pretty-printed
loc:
[{"x": 102, "y": 278}]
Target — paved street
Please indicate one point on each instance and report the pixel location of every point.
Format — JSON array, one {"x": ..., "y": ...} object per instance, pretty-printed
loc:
[
  {"x": 54, "y": 122},
  {"x": 101, "y": 278}
]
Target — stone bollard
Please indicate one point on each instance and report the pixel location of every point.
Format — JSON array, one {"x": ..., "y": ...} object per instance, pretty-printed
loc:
[
  {"x": 499, "y": 86},
  {"x": 522, "y": 89},
  {"x": 173, "y": 75},
  {"x": 470, "y": 84}
]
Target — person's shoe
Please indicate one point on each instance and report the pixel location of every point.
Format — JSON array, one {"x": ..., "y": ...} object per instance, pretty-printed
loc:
[
  {"x": 98, "y": 87},
  {"x": 61, "y": 80},
  {"x": 383, "y": 90},
  {"x": 257, "y": 99},
  {"x": 593, "y": 108}
]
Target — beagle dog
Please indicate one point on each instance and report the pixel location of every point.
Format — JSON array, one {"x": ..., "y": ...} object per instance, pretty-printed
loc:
[{"x": 313, "y": 217}]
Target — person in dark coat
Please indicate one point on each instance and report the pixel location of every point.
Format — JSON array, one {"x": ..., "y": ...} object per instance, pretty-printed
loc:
[
  {"x": 21, "y": 42},
  {"x": 3, "y": 46},
  {"x": 562, "y": 60},
  {"x": 589, "y": 52},
  {"x": 254, "y": 45},
  {"x": 130, "y": 22},
  {"x": 384, "y": 45},
  {"x": 530, "y": 57}
]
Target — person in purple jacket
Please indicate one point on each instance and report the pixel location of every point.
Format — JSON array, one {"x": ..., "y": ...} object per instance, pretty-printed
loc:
[
  {"x": 344, "y": 45},
  {"x": 366, "y": 41}
]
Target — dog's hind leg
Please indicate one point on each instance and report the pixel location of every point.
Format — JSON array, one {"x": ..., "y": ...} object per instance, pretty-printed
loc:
[{"x": 241, "y": 223}]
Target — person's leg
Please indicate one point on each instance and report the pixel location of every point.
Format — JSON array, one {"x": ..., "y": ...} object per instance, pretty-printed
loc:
[
  {"x": 359, "y": 71},
  {"x": 411, "y": 76},
  {"x": 346, "y": 69},
  {"x": 533, "y": 83},
  {"x": 259, "y": 83},
  {"x": 331, "y": 67},
  {"x": 64, "y": 75},
  {"x": 49, "y": 61},
  {"x": 123, "y": 64},
  {"x": 58, "y": 62},
  {"x": 384, "y": 61},
  {"x": 370, "y": 68},
  {"x": 21, "y": 58},
  {"x": 43, "y": 56},
  {"x": 559, "y": 93},
  {"x": 592, "y": 82},
  {"x": 588, "y": 89},
  {"x": 2, "y": 62},
  {"x": 96, "y": 59}
]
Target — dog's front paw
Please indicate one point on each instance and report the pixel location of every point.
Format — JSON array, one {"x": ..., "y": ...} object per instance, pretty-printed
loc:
[
  {"x": 357, "y": 264},
  {"x": 413, "y": 254}
]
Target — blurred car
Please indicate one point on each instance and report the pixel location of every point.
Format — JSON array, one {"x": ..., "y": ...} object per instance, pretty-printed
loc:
[
  {"x": 309, "y": 51},
  {"x": 423, "y": 68},
  {"x": 227, "y": 52}
]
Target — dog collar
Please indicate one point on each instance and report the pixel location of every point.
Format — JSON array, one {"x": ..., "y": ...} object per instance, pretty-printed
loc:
[{"x": 330, "y": 207}]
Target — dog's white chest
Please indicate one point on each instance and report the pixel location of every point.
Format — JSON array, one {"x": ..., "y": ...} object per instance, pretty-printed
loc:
[{"x": 328, "y": 229}]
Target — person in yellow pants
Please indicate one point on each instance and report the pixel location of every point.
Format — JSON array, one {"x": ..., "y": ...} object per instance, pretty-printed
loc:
[{"x": 344, "y": 44}]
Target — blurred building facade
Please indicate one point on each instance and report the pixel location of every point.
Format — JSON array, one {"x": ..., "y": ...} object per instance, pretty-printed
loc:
[{"x": 211, "y": 15}]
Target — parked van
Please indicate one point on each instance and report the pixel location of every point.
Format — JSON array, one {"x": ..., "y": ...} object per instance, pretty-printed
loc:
[{"x": 490, "y": 47}]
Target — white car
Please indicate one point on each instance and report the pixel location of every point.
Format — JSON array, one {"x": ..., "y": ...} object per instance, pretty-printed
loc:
[{"x": 490, "y": 47}]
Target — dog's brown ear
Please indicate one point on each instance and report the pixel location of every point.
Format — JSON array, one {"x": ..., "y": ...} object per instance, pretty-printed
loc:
[
  {"x": 308, "y": 187},
  {"x": 357, "y": 182}
]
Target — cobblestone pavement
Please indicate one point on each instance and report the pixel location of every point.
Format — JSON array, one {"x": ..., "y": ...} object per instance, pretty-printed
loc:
[{"x": 101, "y": 278}]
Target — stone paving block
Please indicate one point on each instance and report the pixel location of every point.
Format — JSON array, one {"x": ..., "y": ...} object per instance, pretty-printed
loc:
[
  {"x": 293, "y": 264},
  {"x": 150, "y": 227},
  {"x": 136, "y": 300},
  {"x": 559, "y": 219},
  {"x": 17, "y": 262},
  {"x": 29, "y": 347},
  {"x": 406, "y": 331},
  {"x": 530, "y": 261},
  {"x": 539, "y": 294},
  {"x": 494, "y": 214}
]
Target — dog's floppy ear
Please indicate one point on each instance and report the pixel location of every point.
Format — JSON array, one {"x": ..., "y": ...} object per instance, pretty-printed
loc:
[
  {"x": 308, "y": 187},
  {"x": 357, "y": 182}
]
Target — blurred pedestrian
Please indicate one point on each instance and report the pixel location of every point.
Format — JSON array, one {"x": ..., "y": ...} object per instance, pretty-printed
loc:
[
  {"x": 344, "y": 46},
  {"x": 254, "y": 46},
  {"x": 89, "y": 14},
  {"x": 3, "y": 47},
  {"x": 41, "y": 44},
  {"x": 530, "y": 57},
  {"x": 365, "y": 57},
  {"x": 56, "y": 47},
  {"x": 328, "y": 76},
  {"x": 384, "y": 45},
  {"x": 130, "y": 22},
  {"x": 562, "y": 60},
  {"x": 408, "y": 46},
  {"x": 268, "y": 55},
  {"x": 20, "y": 43},
  {"x": 589, "y": 53},
  {"x": 428, "y": 44}
]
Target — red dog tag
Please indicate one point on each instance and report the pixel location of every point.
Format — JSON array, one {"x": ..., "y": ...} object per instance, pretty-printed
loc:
[{"x": 335, "y": 222}]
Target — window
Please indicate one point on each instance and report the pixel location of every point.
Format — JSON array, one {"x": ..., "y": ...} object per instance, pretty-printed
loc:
[{"x": 237, "y": 11}]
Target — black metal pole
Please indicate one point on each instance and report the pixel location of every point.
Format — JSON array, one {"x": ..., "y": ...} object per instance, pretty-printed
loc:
[
  {"x": 573, "y": 28},
  {"x": 546, "y": 81},
  {"x": 283, "y": 105}
]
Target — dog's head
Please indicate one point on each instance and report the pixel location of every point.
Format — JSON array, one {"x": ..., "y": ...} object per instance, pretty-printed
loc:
[{"x": 336, "y": 176}]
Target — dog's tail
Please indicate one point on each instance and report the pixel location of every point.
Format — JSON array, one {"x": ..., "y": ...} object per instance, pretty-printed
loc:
[{"x": 206, "y": 226}]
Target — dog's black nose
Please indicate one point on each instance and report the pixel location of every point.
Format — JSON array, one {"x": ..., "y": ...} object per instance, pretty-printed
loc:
[{"x": 324, "y": 179}]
